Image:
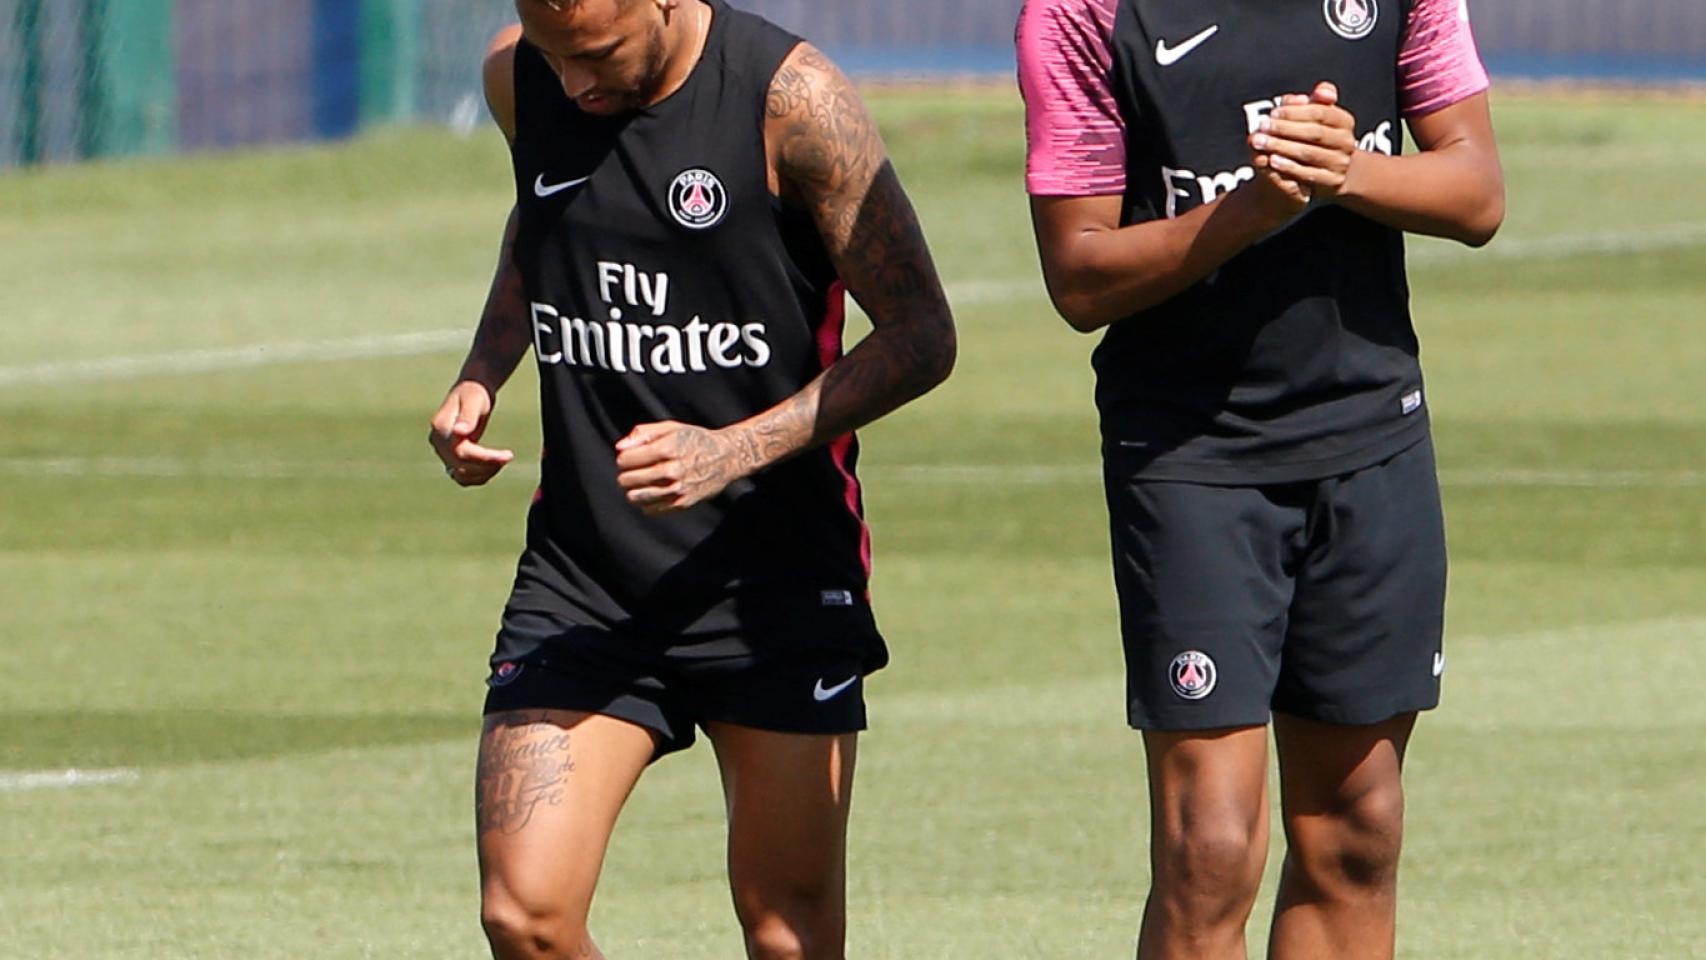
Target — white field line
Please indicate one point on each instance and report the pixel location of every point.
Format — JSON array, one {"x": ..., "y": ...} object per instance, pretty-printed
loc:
[
  {"x": 169, "y": 468},
  {"x": 1601, "y": 479},
  {"x": 968, "y": 293},
  {"x": 1562, "y": 245},
  {"x": 353, "y": 348},
  {"x": 20, "y": 781},
  {"x": 235, "y": 358},
  {"x": 1058, "y": 472},
  {"x": 1018, "y": 474}
]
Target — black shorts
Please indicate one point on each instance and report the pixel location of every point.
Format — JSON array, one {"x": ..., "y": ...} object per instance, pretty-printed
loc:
[
  {"x": 806, "y": 683},
  {"x": 1323, "y": 599}
]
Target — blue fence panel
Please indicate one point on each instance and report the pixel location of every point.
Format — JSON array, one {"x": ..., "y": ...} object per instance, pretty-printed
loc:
[
  {"x": 942, "y": 37},
  {"x": 1630, "y": 40},
  {"x": 245, "y": 72},
  {"x": 264, "y": 71},
  {"x": 336, "y": 52}
]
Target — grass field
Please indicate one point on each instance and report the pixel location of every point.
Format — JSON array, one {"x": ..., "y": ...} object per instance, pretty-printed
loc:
[{"x": 234, "y": 582}]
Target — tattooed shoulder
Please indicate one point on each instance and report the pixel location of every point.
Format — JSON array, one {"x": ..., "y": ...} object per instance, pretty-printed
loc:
[{"x": 823, "y": 141}]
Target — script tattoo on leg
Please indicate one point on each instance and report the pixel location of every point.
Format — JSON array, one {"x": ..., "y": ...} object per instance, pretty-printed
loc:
[{"x": 524, "y": 763}]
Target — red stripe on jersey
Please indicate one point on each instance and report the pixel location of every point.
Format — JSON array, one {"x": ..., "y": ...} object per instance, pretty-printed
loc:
[
  {"x": 539, "y": 491},
  {"x": 829, "y": 351}
]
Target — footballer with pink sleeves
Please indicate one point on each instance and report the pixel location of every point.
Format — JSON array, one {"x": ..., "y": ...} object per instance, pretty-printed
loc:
[{"x": 1220, "y": 188}]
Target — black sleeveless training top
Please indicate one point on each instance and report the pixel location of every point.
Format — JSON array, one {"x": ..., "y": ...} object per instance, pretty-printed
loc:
[
  {"x": 666, "y": 282},
  {"x": 1296, "y": 359}
]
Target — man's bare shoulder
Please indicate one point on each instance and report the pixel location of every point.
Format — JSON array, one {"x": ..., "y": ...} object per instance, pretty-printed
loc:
[
  {"x": 498, "y": 75},
  {"x": 805, "y": 70},
  {"x": 820, "y": 133}
]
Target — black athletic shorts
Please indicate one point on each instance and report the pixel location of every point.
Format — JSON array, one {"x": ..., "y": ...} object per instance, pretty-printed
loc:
[
  {"x": 805, "y": 683},
  {"x": 1322, "y": 599}
]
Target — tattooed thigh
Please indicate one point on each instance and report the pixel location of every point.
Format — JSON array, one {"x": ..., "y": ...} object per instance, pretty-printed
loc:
[{"x": 525, "y": 763}]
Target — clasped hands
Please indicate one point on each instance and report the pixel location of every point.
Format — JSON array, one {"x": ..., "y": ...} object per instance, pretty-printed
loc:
[{"x": 1303, "y": 149}]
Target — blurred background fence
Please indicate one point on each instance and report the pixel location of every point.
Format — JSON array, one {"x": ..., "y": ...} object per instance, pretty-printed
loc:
[{"x": 105, "y": 78}]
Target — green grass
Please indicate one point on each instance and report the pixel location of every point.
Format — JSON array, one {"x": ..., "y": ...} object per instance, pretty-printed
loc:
[{"x": 254, "y": 587}]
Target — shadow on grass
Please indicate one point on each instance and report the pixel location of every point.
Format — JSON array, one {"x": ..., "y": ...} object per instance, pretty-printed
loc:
[{"x": 79, "y": 737}]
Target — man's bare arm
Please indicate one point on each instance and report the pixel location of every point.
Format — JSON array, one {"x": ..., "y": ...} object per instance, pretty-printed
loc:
[
  {"x": 1451, "y": 187},
  {"x": 1098, "y": 271},
  {"x": 504, "y": 333},
  {"x": 826, "y": 157},
  {"x": 502, "y": 338},
  {"x": 830, "y": 159}
]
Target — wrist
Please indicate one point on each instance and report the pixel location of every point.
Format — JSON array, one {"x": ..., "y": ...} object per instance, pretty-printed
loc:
[
  {"x": 1257, "y": 216},
  {"x": 741, "y": 447},
  {"x": 1356, "y": 170},
  {"x": 481, "y": 377}
]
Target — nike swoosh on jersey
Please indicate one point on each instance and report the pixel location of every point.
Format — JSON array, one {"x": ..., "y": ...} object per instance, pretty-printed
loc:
[
  {"x": 540, "y": 189},
  {"x": 1167, "y": 56},
  {"x": 820, "y": 693}
]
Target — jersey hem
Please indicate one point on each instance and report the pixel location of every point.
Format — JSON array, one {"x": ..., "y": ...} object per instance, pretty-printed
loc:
[{"x": 1269, "y": 470}]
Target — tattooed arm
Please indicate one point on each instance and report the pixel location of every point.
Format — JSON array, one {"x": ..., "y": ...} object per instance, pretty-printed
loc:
[
  {"x": 827, "y": 157},
  {"x": 503, "y": 336}
]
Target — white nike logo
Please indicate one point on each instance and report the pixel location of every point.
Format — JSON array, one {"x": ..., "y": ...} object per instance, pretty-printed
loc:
[
  {"x": 820, "y": 693},
  {"x": 1439, "y": 664},
  {"x": 541, "y": 190},
  {"x": 1167, "y": 56}
]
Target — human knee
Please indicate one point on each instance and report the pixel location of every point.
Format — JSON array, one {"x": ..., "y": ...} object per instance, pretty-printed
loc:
[
  {"x": 804, "y": 923},
  {"x": 520, "y": 931},
  {"x": 774, "y": 938},
  {"x": 1217, "y": 859},
  {"x": 1357, "y": 843}
]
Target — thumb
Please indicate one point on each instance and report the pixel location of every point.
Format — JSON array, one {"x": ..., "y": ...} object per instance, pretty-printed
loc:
[
  {"x": 449, "y": 412},
  {"x": 1326, "y": 92},
  {"x": 473, "y": 404}
]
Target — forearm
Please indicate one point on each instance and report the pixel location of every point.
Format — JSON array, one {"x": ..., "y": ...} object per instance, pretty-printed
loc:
[
  {"x": 889, "y": 368},
  {"x": 503, "y": 336},
  {"x": 1096, "y": 276},
  {"x": 830, "y": 159},
  {"x": 1451, "y": 187},
  {"x": 1449, "y": 192}
]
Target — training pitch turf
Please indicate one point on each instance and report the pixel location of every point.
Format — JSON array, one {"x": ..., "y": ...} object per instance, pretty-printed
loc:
[{"x": 239, "y": 597}]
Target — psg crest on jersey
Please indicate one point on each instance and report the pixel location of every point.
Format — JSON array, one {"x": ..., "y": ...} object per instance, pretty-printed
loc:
[
  {"x": 1192, "y": 674},
  {"x": 1351, "y": 19},
  {"x": 697, "y": 198}
]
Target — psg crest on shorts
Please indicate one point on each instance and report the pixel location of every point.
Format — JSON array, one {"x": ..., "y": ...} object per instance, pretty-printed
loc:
[
  {"x": 1351, "y": 19},
  {"x": 697, "y": 198},
  {"x": 504, "y": 674},
  {"x": 1192, "y": 675}
]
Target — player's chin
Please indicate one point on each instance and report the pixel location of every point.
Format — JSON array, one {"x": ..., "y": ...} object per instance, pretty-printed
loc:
[{"x": 605, "y": 104}]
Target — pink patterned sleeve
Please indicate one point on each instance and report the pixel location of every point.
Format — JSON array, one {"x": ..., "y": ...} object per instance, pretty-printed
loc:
[
  {"x": 1075, "y": 140},
  {"x": 1439, "y": 64}
]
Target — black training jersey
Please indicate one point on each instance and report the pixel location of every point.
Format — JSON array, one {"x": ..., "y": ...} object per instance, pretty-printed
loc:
[
  {"x": 666, "y": 282},
  {"x": 1296, "y": 359}
]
